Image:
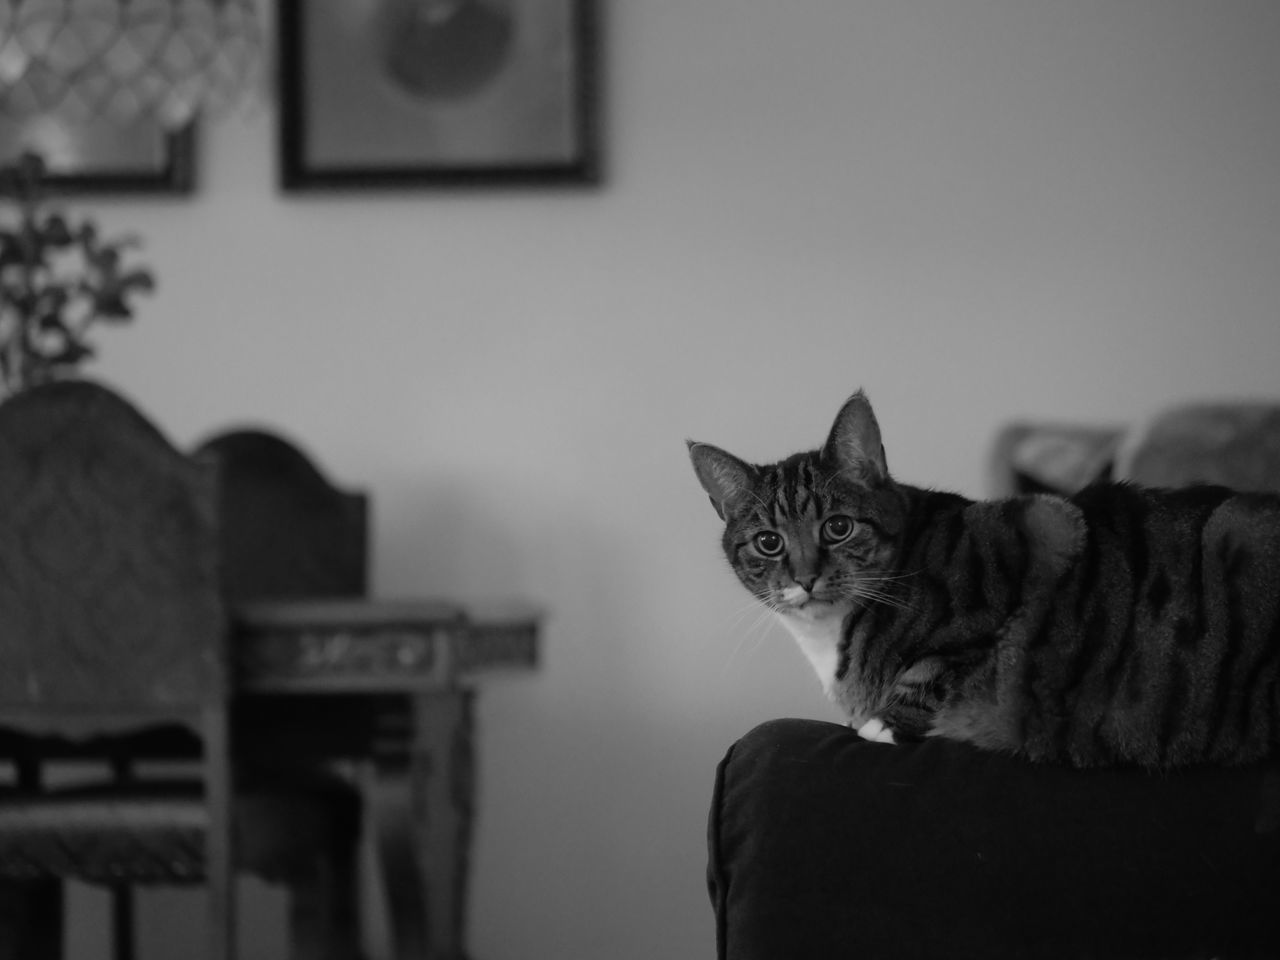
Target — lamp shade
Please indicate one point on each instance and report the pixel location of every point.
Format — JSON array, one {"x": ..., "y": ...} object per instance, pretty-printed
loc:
[{"x": 125, "y": 59}]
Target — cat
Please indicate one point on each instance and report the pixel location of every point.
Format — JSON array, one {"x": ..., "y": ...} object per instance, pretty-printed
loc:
[{"x": 1120, "y": 625}]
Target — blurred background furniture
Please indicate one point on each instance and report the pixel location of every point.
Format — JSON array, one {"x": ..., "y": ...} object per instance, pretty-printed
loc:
[
  {"x": 1235, "y": 444},
  {"x": 285, "y": 530},
  {"x": 114, "y": 652},
  {"x": 822, "y": 844},
  {"x": 325, "y": 675},
  {"x": 378, "y": 685}
]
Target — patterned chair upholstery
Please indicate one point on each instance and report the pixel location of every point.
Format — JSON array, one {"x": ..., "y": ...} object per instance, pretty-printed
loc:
[{"x": 113, "y": 653}]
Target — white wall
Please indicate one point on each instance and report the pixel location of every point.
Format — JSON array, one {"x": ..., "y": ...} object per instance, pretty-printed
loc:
[{"x": 977, "y": 209}]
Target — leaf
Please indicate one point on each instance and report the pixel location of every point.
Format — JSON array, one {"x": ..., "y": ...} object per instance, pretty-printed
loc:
[
  {"x": 139, "y": 280},
  {"x": 103, "y": 259},
  {"x": 112, "y": 307},
  {"x": 56, "y": 233},
  {"x": 51, "y": 327},
  {"x": 71, "y": 353},
  {"x": 57, "y": 277},
  {"x": 52, "y": 300},
  {"x": 10, "y": 249}
]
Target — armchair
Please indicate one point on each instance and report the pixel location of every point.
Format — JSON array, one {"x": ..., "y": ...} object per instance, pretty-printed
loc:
[{"x": 825, "y": 845}]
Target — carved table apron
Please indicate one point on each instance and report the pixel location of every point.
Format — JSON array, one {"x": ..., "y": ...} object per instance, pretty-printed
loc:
[{"x": 388, "y": 682}]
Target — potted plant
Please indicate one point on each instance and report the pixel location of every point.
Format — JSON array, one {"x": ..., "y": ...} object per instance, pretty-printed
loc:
[{"x": 57, "y": 279}]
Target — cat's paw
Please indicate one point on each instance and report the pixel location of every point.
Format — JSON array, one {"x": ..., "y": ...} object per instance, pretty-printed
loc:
[{"x": 876, "y": 732}]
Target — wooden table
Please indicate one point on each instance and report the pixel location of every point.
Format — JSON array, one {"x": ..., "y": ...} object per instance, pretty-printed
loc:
[{"x": 391, "y": 683}]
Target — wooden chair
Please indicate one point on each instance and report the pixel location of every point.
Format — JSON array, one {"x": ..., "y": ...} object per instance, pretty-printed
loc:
[
  {"x": 285, "y": 531},
  {"x": 289, "y": 534},
  {"x": 113, "y": 636}
]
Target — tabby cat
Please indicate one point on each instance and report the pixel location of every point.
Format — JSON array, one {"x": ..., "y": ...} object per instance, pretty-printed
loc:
[{"x": 1118, "y": 625}]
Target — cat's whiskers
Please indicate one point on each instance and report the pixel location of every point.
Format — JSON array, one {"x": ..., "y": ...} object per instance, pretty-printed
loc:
[
  {"x": 865, "y": 588},
  {"x": 885, "y": 600},
  {"x": 754, "y": 608},
  {"x": 1017, "y": 581},
  {"x": 755, "y": 605},
  {"x": 755, "y": 631},
  {"x": 887, "y": 577},
  {"x": 748, "y": 613}
]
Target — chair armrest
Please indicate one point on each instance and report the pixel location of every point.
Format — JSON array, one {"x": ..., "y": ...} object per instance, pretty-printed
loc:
[{"x": 824, "y": 845}]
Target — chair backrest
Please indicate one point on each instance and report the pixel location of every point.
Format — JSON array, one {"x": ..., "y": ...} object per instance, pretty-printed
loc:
[
  {"x": 109, "y": 588},
  {"x": 286, "y": 531}
]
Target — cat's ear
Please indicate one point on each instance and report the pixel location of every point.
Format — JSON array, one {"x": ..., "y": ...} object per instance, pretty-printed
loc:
[
  {"x": 854, "y": 446},
  {"x": 726, "y": 479}
]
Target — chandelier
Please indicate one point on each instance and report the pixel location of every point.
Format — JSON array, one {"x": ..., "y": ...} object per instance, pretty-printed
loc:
[{"x": 125, "y": 60}]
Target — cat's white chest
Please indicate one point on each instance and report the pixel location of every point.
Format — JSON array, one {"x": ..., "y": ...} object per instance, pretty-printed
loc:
[{"x": 818, "y": 636}]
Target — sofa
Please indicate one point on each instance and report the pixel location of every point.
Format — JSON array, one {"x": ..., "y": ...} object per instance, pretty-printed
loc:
[{"x": 824, "y": 845}]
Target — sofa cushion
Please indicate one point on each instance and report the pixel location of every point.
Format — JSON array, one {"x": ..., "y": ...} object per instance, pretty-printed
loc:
[{"x": 823, "y": 845}]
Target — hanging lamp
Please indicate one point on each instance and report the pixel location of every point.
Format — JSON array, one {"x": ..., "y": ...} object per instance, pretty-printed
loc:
[{"x": 126, "y": 60}]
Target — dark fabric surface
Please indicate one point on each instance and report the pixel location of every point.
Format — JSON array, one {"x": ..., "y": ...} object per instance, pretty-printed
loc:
[{"x": 823, "y": 845}]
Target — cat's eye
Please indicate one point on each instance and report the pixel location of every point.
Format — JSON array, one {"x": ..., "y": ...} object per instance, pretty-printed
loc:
[
  {"x": 837, "y": 529},
  {"x": 769, "y": 543}
]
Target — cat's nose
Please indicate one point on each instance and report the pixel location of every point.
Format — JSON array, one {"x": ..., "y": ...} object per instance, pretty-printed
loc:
[{"x": 807, "y": 582}]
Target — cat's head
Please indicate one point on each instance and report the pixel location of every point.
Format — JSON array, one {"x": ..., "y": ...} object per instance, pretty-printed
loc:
[{"x": 817, "y": 530}]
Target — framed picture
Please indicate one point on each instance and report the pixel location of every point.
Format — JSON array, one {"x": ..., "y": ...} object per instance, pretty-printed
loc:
[
  {"x": 102, "y": 156},
  {"x": 401, "y": 93}
]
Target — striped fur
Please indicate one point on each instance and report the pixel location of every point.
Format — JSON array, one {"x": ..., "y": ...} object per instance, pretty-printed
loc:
[{"x": 1121, "y": 625}]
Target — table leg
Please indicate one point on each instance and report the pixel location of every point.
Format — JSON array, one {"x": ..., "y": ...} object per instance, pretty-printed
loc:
[{"x": 423, "y": 806}]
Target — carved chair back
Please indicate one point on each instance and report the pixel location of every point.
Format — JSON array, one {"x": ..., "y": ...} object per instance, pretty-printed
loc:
[
  {"x": 111, "y": 619},
  {"x": 109, "y": 588},
  {"x": 286, "y": 531}
]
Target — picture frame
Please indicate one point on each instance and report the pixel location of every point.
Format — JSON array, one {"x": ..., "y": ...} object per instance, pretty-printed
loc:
[
  {"x": 437, "y": 93},
  {"x": 102, "y": 156}
]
